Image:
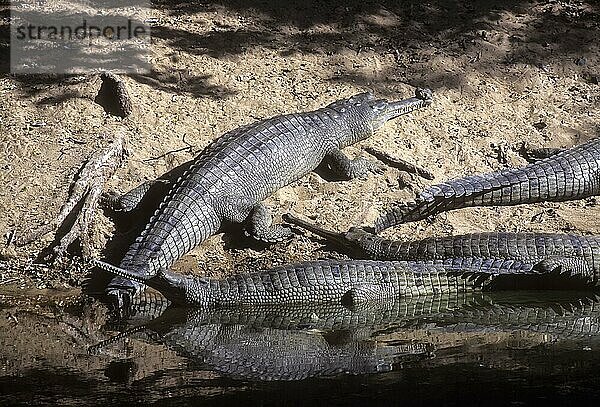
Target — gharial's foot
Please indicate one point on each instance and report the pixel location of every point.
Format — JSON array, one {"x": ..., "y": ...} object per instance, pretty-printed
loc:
[
  {"x": 361, "y": 168},
  {"x": 131, "y": 200},
  {"x": 357, "y": 168},
  {"x": 260, "y": 227},
  {"x": 535, "y": 154},
  {"x": 275, "y": 234}
]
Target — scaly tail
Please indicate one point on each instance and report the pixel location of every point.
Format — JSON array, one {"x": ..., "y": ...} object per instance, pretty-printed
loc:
[
  {"x": 509, "y": 187},
  {"x": 571, "y": 174},
  {"x": 401, "y": 213}
]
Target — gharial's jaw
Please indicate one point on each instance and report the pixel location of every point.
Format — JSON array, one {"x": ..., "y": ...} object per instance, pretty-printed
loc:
[
  {"x": 180, "y": 289},
  {"x": 119, "y": 271},
  {"x": 177, "y": 288},
  {"x": 350, "y": 241},
  {"x": 385, "y": 111}
]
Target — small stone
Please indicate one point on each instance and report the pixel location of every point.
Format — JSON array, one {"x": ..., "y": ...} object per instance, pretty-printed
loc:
[
  {"x": 581, "y": 61},
  {"x": 245, "y": 77}
]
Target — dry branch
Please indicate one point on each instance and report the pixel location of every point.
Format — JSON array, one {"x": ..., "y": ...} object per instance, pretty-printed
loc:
[{"x": 86, "y": 192}]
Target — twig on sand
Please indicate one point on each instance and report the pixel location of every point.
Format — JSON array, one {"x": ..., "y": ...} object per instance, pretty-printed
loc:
[
  {"x": 86, "y": 192},
  {"x": 8, "y": 280},
  {"x": 399, "y": 163}
]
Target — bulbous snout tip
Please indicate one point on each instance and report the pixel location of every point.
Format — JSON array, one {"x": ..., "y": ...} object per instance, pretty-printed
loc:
[{"x": 424, "y": 94}]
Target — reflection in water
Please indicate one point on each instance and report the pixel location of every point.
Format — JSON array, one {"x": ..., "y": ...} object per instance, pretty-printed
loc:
[
  {"x": 513, "y": 347},
  {"x": 298, "y": 342}
]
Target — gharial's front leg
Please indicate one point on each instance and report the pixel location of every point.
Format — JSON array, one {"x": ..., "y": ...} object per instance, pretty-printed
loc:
[
  {"x": 351, "y": 168},
  {"x": 260, "y": 226},
  {"x": 257, "y": 220}
]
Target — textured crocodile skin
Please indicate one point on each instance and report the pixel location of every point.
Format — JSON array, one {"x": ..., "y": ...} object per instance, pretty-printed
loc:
[
  {"x": 349, "y": 282},
  {"x": 332, "y": 316},
  {"x": 227, "y": 181},
  {"x": 277, "y": 342},
  {"x": 274, "y": 354},
  {"x": 575, "y": 319},
  {"x": 568, "y": 175},
  {"x": 576, "y": 255},
  {"x": 311, "y": 340}
]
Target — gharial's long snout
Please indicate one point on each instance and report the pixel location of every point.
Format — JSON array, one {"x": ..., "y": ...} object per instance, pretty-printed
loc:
[
  {"x": 423, "y": 97},
  {"x": 118, "y": 271},
  {"x": 350, "y": 240},
  {"x": 173, "y": 286}
]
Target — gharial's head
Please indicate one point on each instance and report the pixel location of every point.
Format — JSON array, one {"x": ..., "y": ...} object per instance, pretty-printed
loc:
[
  {"x": 181, "y": 289},
  {"x": 177, "y": 288},
  {"x": 364, "y": 114},
  {"x": 358, "y": 241}
]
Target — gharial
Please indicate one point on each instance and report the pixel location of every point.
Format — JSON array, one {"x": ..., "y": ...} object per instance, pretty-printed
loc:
[
  {"x": 347, "y": 282},
  {"x": 230, "y": 178},
  {"x": 567, "y": 254}
]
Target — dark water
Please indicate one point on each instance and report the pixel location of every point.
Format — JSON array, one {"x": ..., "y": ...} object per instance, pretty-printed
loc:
[{"x": 500, "y": 349}]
